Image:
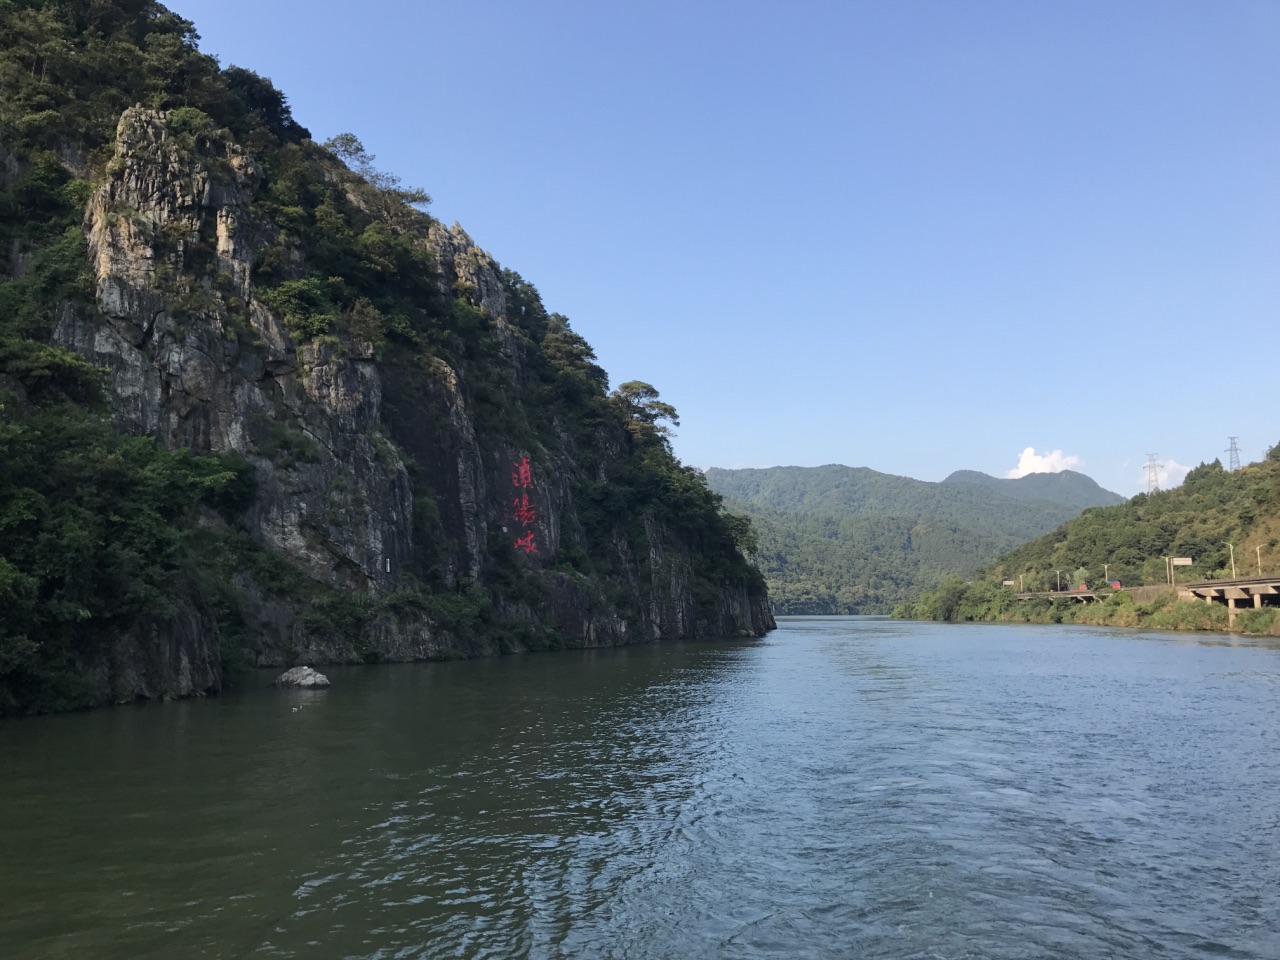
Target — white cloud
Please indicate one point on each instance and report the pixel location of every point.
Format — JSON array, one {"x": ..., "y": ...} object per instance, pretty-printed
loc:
[
  {"x": 1170, "y": 472},
  {"x": 1054, "y": 461}
]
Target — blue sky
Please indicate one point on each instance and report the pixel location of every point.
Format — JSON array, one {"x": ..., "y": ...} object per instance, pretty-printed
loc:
[{"x": 916, "y": 236}]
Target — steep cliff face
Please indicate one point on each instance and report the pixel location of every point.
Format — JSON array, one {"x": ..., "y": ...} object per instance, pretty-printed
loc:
[
  {"x": 421, "y": 470},
  {"x": 197, "y": 361}
]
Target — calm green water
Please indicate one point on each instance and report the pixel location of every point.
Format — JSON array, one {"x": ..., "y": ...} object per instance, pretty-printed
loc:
[{"x": 843, "y": 788}]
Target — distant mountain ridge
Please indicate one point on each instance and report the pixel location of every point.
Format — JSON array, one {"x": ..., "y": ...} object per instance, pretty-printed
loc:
[
  {"x": 1066, "y": 487},
  {"x": 838, "y": 539},
  {"x": 1225, "y": 522},
  {"x": 1021, "y": 508}
]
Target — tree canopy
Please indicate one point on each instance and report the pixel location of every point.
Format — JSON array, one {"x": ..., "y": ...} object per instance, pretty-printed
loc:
[{"x": 644, "y": 411}]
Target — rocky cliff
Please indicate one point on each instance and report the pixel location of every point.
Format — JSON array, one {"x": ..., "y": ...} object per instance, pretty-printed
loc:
[{"x": 441, "y": 477}]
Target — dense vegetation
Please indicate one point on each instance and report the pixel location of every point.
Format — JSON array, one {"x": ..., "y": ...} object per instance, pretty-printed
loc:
[
  {"x": 95, "y": 528},
  {"x": 100, "y": 532},
  {"x": 824, "y": 564},
  {"x": 838, "y": 539},
  {"x": 1212, "y": 513},
  {"x": 1066, "y": 487}
]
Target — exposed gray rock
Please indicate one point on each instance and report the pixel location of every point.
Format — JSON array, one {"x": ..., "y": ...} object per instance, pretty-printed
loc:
[
  {"x": 302, "y": 677},
  {"x": 196, "y": 359},
  {"x": 199, "y": 362}
]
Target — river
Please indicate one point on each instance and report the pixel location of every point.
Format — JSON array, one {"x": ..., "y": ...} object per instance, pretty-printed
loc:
[{"x": 843, "y": 788}]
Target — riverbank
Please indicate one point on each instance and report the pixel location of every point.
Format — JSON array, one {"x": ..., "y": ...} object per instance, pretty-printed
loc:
[{"x": 985, "y": 603}]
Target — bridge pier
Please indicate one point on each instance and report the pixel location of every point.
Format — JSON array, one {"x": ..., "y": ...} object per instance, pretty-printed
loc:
[{"x": 1262, "y": 591}]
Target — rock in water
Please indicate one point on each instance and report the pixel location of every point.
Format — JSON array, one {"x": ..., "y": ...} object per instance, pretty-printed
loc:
[{"x": 302, "y": 677}]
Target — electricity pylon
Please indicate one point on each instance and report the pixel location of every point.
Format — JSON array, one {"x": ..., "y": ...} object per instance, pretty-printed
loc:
[{"x": 1153, "y": 473}]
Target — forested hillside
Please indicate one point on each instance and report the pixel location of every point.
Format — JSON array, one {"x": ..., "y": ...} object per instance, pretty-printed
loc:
[
  {"x": 820, "y": 564},
  {"x": 839, "y": 539},
  {"x": 1007, "y": 510},
  {"x": 257, "y": 407},
  {"x": 1214, "y": 512},
  {"x": 1067, "y": 487}
]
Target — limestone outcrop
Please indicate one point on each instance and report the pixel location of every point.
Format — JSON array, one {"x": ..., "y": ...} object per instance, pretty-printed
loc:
[
  {"x": 197, "y": 361},
  {"x": 363, "y": 466}
]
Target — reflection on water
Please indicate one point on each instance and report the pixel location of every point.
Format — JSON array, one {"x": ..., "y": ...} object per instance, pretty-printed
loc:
[{"x": 853, "y": 788}]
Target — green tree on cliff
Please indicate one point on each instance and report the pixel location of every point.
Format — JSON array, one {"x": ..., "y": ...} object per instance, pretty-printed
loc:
[{"x": 644, "y": 411}]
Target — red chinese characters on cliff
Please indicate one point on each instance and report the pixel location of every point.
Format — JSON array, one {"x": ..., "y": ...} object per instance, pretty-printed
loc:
[
  {"x": 523, "y": 510},
  {"x": 523, "y": 513},
  {"x": 522, "y": 474}
]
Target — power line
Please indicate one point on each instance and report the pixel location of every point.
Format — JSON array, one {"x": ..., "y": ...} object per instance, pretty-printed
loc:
[
  {"x": 1234, "y": 452},
  {"x": 1153, "y": 473}
]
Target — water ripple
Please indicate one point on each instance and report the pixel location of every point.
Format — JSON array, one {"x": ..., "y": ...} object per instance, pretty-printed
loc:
[{"x": 847, "y": 788}]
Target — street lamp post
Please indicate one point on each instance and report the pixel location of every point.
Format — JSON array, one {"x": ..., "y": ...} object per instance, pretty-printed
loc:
[
  {"x": 1232, "y": 548},
  {"x": 1168, "y": 569},
  {"x": 1059, "y": 574},
  {"x": 1259, "y": 549}
]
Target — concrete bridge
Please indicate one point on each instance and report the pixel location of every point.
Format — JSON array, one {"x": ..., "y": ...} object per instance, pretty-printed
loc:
[
  {"x": 1089, "y": 596},
  {"x": 1084, "y": 596},
  {"x": 1251, "y": 592}
]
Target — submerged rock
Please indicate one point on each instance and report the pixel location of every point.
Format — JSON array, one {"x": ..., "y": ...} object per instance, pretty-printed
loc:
[{"x": 302, "y": 677}]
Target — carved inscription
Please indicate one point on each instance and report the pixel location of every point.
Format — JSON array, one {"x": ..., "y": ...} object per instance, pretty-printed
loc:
[{"x": 522, "y": 512}]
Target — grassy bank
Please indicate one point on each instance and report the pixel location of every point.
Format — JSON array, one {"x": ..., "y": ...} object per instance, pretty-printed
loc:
[{"x": 984, "y": 602}]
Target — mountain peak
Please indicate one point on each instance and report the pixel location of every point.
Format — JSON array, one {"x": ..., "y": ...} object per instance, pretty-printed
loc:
[{"x": 1066, "y": 486}]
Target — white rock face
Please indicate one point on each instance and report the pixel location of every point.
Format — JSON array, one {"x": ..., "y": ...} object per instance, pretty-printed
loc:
[{"x": 302, "y": 677}]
